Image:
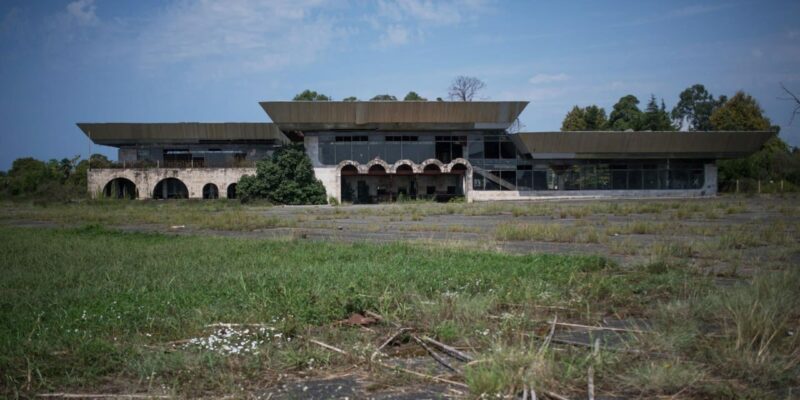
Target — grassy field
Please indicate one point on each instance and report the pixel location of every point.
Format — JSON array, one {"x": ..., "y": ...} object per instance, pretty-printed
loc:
[
  {"x": 87, "y": 308},
  {"x": 90, "y": 309}
]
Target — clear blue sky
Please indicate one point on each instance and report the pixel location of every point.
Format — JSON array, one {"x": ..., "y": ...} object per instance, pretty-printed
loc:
[{"x": 145, "y": 61}]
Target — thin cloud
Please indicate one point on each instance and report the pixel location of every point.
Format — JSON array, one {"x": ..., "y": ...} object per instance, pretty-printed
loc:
[
  {"x": 398, "y": 19},
  {"x": 241, "y": 34},
  {"x": 548, "y": 78},
  {"x": 682, "y": 12},
  {"x": 394, "y": 35},
  {"x": 83, "y": 12}
]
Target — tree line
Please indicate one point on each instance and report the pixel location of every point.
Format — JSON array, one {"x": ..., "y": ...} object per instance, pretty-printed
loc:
[
  {"x": 55, "y": 180},
  {"x": 698, "y": 110},
  {"x": 463, "y": 88}
]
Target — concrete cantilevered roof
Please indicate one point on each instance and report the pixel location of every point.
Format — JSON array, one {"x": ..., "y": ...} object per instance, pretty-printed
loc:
[
  {"x": 117, "y": 134},
  {"x": 396, "y": 115},
  {"x": 562, "y": 145}
]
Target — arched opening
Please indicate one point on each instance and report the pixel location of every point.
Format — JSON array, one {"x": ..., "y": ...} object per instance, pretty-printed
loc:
[
  {"x": 404, "y": 169},
  {"x": 170, "y": 188},
  {"x": 458, "y": 169},
  {"x": 120, "y": 188},
  {"x": 232, "y": 191},
  {"x": 210, "y": 191},
  {"x": 431, "y": 169},
  {"x": 377, "y": 169},
  {"x": 349, "y": 170}
]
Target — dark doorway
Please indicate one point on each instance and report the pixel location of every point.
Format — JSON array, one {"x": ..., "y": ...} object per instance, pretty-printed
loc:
[
  {"x": 120, "y": 188},
  {"x": 232, "y": 191},
  {"x": 170, "y": 188},
  {"x": 210, "y": 191}
]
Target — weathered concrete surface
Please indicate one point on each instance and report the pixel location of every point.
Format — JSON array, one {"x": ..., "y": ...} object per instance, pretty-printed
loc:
[{"x": 146, "y": 179}]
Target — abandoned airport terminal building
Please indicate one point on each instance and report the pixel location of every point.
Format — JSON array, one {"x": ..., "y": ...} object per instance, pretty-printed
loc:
[{"x": 381, "y": 151}]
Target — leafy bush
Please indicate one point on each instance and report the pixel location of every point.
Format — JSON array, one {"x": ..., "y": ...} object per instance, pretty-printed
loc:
[
  {"x": 53, "y": 180},
  {"x": 285, "y": 178}
]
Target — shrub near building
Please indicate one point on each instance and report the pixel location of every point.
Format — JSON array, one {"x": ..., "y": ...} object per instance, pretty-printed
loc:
[{"x": 285, "y": 178}]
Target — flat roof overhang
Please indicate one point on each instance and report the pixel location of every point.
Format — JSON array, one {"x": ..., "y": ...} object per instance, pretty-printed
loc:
[
  {"x": 393, "y": 115},
  {"x": 123, "y": 133},
  {"x": 642, "y": 144}
]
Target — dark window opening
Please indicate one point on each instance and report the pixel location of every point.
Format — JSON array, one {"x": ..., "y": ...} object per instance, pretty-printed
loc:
[
  {"x": 177, "y": 158},
  {"x": 170, "y": 188},
  {"x": 120, "y": 188},
  {"x": 507, "y": 150},
  {"x": 210, "y": 191},
  {"x": 232, "y": 191}
]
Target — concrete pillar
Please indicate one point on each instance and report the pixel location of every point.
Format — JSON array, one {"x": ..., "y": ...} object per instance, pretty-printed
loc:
[{"x": 710, "y": 184}]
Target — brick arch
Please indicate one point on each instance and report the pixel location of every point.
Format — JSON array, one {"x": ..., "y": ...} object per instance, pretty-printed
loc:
[
  {"x": 414, "y": 167},
  {"x": 431, "y": 161},
  {"x": 458, "y": 161},
  {"x": 346, "y": 163},
  {"x": 378, "y": 161}
]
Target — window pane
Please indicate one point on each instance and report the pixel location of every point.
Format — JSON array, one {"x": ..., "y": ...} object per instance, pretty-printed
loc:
[
  {"x": 361, "y": 152},
  {"x": 539, "y": 180},
  {"x": 327, "y": 153},
  {"x": 477, "y": 181},
  {"x": 603, "y": 177},
  {"x": 696, "y": 179},
  {"x": 393, "y": 152},
  {"x": 509, "y": 180},
  {"x": 651, "y": 179},
  {"x": 635, "y": 179},
  {"x": 475, "y": 149},
  {"x": 507, "y": 150},
  {"x": 343, "y": 151},
  {"x": 491, "y": 149},
  {"x": 524, "y": 180},
  {"x": 377, "y": 148},
  {"x": 491, "y": 181}
]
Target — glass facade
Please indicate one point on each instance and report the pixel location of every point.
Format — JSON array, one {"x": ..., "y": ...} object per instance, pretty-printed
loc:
[
  {"x": 390, "y": 147},
  {"x": 595, "y": 175},
  {"x": 498, "y": 166}
]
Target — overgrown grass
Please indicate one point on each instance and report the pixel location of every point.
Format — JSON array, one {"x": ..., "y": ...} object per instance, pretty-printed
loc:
[
  {"x": 216, "y": 214},
  {"x": 90, "y": 307},
  {"x": 547, "y": 232},
  {"x": 743, "y": 338},
  {"x": 78, "y": 305}
]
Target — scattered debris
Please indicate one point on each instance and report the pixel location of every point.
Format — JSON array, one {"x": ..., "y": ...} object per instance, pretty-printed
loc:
[
  {"x": 327, "y": 346},
  {"x": 452, "y": 352},
  {"x": 233, "y": 339},
  {"x": 357, "y": 319}
]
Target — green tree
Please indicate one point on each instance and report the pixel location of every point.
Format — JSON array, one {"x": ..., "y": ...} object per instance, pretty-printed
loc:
[
  {"x": 310, "y": 95},
  {"x": 351, "y": 98},
  {"x": 413, "y": 96},
  {"x": 743, "y": 113},
  {"x": 27, "y": 175},
  {"x": 655, "y": 118},
  {"x": 287, "y": 177},
  {"x": 383, "y": 97},
  {"x": 575, "y": 120},
  {"x": 99, "y": 161},
  {"x": 591, "y": 118},
  {"x": 625, "y": 115},
  {"x": 695, "y": 107},
  {"x": 595, "y": 118}
]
